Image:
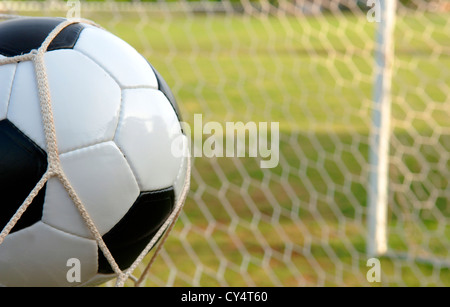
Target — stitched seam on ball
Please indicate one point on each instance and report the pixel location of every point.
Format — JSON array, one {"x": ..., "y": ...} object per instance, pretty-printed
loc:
[
  {"x": 91, "y": 238},
  {"x": 84, "y": 146},
  {"x": 111, "y": 74},
  {"x": 119, "y": 116},
  {"x": 11, "y": 88}
]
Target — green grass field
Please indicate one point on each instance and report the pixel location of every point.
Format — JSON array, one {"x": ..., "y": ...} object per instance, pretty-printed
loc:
[{"x": 303, "y": 222}]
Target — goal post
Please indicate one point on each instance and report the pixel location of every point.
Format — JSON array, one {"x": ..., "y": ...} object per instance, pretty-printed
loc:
[{"x": 381, "y": 130}]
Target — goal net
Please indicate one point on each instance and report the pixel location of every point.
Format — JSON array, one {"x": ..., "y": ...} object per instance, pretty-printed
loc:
[{"x": 360, "y": 94}]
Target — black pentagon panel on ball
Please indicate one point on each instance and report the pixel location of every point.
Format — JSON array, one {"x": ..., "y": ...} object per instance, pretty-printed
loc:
[
  {"x": 165, "y": 89},
  {"x": 22, "y": 165},
  {"x": 129, "y": 237},
  {"x": 21, "y": 35}
]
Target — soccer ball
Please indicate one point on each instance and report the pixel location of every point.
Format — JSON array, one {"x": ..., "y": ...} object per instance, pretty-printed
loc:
[{"x": 115, "y": 120}]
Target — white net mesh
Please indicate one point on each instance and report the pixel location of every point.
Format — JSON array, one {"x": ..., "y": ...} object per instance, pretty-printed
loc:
[
  {"x": 309, "y": 66},
  {"x": 419, "y": 192}
]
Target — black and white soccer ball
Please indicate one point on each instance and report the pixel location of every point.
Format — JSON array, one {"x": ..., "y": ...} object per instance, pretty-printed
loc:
[{"x": 116, "y": 120}]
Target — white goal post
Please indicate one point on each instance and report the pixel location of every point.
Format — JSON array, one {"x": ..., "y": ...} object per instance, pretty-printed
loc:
[{"x": 381, "y": 130}]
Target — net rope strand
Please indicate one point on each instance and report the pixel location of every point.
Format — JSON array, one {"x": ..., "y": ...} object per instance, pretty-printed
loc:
[
  {"x": 52, "y": 147},
  {"x": 54, "y": 168}
]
